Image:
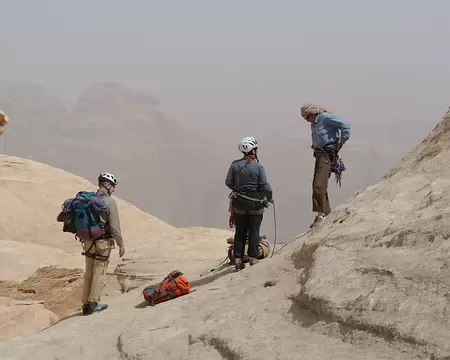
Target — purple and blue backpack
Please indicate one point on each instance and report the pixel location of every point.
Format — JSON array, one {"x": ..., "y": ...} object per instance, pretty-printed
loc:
[{"x": 84, "y": 213}]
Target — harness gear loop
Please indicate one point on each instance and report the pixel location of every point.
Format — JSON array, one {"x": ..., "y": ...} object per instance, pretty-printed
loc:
[
  {"x": 337, "y": 165},
  {"x": 233, "y": 196}
]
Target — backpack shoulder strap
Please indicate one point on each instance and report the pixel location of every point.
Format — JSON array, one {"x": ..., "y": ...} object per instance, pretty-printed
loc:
[{"x": 99, "y": 194}]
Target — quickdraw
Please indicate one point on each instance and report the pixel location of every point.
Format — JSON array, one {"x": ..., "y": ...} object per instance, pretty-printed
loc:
[
  {"x": 338, "y": 169},
  {"x": 232, "y": 219},
  {"x": 337, "y": 165}
]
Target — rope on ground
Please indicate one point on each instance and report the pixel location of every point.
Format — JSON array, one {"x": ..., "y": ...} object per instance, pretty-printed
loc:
[
  {"x": 215, "y": 268},
  {"x": 296, "y": 238}
]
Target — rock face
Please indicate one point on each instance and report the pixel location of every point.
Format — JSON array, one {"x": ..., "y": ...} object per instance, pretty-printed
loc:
[
  {"x": 380, "y": 263},
  {"x": 20, "y": 260},
  {"x": 371, "y": 282},
  {"x": 40, "y": 262},
  {"x": 191, "y": 251},
  {"x": 22, "y": 318},
  {"x": 59, "y": 288},
  {"x": 32, "y": 194}
]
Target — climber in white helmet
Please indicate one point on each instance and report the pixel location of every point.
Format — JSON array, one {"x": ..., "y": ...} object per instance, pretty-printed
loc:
[
  {"x": 97, "y": 252},
  {"x": 251, "y": 193}
]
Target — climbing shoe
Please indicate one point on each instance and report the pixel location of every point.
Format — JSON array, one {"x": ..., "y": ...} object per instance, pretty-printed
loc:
[
  {"x": 316, "y": 222},
  {"x": 253, "y": 261},
  {"x": 99, "y": 307}
]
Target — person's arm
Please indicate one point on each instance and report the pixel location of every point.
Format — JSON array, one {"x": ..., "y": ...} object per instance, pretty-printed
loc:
[
  {"x": 264, "y": 183},
  {"x": 312, "y": 141},
  {"x": 229, "y": 181},
  {"x": 339, "y": 123},
  {"x": 114, "y": 226}
]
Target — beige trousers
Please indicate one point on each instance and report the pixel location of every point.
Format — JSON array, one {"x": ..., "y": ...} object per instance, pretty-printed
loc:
[{"x": 95, "y": 272}]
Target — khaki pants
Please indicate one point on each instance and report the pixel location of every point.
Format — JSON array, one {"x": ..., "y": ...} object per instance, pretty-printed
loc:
[
  {"x": 322, "y": 172},
  {"x": 95, "y": 272}
]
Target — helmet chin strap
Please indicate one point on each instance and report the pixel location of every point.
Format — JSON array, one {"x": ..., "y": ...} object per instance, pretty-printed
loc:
[
  {"x": 108, "y": 189},
  {"x": 255, "y": 154}
]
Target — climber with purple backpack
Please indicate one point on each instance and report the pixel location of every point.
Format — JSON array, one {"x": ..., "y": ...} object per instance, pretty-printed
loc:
[{"x": 94, "y": 219}]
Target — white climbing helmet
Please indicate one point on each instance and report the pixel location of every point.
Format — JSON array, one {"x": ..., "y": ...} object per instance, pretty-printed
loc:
[
  {"x": 247, "y": 144},
  {"x": 108, "y": 177}
]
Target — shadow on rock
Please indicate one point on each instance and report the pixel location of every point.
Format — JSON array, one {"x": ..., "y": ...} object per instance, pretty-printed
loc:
[{"x": 210, "y": 279}]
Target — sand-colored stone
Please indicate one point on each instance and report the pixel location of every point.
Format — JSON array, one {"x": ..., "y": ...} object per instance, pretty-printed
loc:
[
  {"x": 38, "y": 261},
  {"x": 19, "y": 260},
  {"x": 22, "y": 318},
  {"x": 372, "y": 282}
]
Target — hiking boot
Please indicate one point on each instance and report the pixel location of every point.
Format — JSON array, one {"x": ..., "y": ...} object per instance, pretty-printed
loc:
[
  {"x": 316, "y": 222},
  {"x": 253, "y": 261},
  {"x": 239, "y": 265}
]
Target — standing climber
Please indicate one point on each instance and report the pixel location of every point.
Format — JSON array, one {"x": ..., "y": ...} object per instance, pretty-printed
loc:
[
  {"x": 329, "y": 133},
  {"x": 251, "y": 193},
  {"x": 98, "y": 251}
]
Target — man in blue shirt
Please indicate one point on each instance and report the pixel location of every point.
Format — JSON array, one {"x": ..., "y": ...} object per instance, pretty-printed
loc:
[{"x": 329, "y": 133}]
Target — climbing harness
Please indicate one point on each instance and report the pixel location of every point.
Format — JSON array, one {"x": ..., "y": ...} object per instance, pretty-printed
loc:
[
  {"x": 233, "y": 196},
  {"x": 96, "y": 255},
  {"x": 337, "y": 165}
]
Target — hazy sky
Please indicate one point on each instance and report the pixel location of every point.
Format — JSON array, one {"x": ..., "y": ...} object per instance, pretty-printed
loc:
[{"x": 220, "y": 62}]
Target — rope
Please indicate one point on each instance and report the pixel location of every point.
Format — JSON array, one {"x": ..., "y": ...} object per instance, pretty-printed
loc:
[
  {"x": 215, "y": 268},
  {"x": 275, "y": 229},
  {"x": 297, "y": 237}
]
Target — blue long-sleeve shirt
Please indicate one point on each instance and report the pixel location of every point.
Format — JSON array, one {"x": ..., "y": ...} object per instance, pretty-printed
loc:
[{"x": 328, "y": 131}]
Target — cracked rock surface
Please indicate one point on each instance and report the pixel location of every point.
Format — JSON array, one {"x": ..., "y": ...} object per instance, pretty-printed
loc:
[{"x": 372, "y": 281}]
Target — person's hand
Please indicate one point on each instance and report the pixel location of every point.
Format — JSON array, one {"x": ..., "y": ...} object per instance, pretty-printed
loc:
[
  {"x": 121, "y": 251},
  {"x": 339, "y": 147},
  {"x": 272, "y": 201}
]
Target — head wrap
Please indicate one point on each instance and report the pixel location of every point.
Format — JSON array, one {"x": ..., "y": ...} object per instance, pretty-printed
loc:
[{"x": 311, "y": 109}]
